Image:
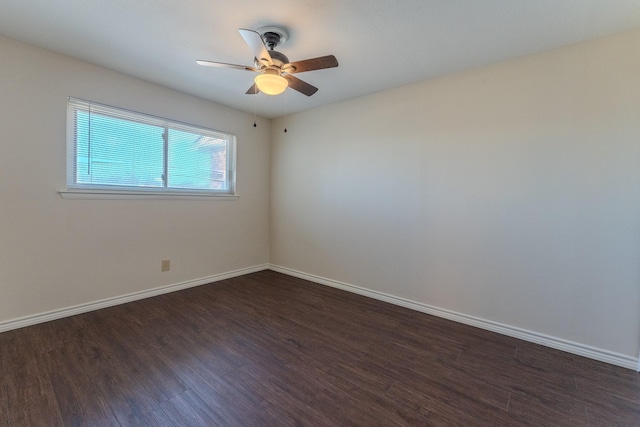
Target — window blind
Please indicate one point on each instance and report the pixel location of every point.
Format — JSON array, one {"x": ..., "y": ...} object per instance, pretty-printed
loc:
[{"x": 111, "y": 148}]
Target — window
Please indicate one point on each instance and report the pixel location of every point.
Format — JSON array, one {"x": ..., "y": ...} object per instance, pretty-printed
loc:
[{"x": 116, "y": 151}]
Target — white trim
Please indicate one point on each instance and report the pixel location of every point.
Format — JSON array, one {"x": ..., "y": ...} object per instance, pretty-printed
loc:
[
  {"x": 122, "y": 299},
  {"x": 512, "y": 331},
  {"x": 149, "y": 195}
]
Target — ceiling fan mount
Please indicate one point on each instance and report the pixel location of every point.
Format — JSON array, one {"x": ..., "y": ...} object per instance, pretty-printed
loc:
[
  {"x": 273, "y": 36},
  {"x": 275, "y": 70}
]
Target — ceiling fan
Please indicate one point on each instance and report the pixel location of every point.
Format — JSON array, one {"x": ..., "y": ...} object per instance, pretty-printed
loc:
[{"x": 276, "y": 72}]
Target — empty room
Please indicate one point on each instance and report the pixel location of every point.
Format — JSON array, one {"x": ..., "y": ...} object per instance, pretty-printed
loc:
[{"x": 321, "y": 213}]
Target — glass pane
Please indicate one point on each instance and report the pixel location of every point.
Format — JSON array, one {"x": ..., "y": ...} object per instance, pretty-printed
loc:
[
  {"x": 196, "y": 161},
  {"x": 112, "y": 151}
]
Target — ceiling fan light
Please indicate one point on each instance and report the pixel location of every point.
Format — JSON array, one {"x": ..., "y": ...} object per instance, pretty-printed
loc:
[{"x": 271, "y": 84}]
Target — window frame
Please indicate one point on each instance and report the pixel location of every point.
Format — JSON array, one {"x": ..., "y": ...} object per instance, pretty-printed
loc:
[{"x": 75, "y": 190}]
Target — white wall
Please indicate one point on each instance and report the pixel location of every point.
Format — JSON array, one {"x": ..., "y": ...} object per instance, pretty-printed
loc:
[
  {"x": 510, "y": 193},
  {"x": 57, "y": 253}
]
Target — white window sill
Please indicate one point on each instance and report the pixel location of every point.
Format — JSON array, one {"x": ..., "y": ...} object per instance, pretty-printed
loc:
[{"x": 142, "y": 195}]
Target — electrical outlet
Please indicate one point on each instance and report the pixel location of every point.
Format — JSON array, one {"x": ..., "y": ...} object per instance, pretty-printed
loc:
[{"x": 166, "y": 265}]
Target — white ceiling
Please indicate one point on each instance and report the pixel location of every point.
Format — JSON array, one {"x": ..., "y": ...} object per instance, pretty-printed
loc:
[{"x": 379, "y": 44}]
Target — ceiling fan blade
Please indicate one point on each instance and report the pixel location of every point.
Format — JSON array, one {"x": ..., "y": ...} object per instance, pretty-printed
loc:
[
  {"x": 253, "y": 90},
  {"x": 302, "y": 87},
  {"x": 224, "y": 65},
  {"x": 254, "y": 40},
  {"x": 319, "y": 63}
]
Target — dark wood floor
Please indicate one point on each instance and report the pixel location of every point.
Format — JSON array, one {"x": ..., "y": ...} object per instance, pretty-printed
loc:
[{"x": 268, "y": 349}]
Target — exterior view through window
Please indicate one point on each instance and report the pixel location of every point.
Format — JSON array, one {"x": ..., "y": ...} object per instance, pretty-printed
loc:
[{"x": 110, "y": 149}]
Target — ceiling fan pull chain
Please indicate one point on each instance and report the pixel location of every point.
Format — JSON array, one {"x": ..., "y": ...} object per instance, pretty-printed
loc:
[
  {"x": 254, "y": 106},
  {"x": 286, "y": 97}
]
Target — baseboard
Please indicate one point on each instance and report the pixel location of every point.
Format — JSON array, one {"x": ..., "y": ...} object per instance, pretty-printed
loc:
[
  {"x": 523, "y": 334},
  {"x": 123, "y": 299}
]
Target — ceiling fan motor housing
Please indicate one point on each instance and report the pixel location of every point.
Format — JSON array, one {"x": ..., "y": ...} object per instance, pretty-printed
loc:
[
  {"x": 279, "y": 59},
  {"x": 272, "y": 38}
]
